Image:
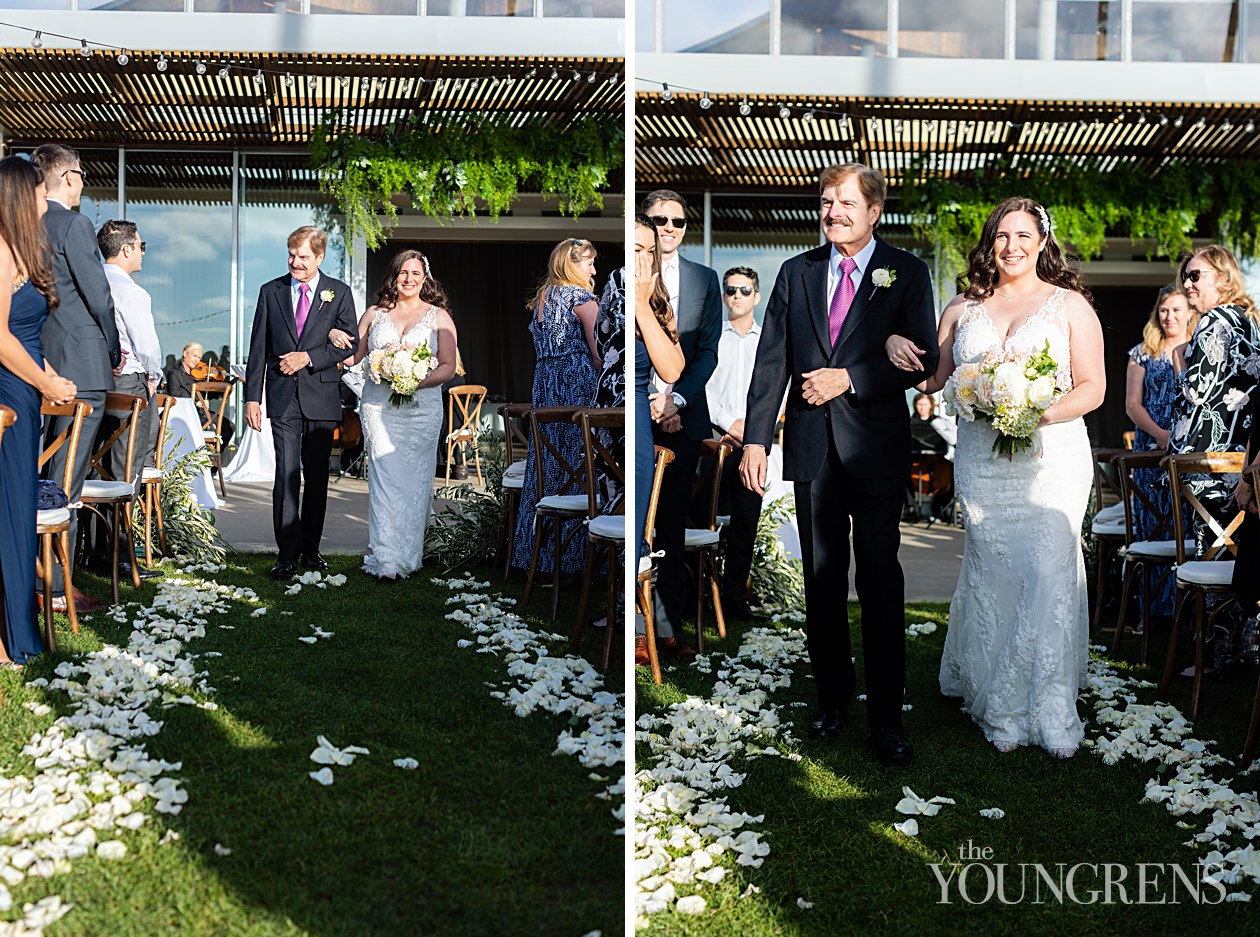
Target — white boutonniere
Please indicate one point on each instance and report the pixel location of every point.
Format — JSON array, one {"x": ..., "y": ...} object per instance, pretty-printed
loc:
[
  {"x": 326, "y": 295},
  {"x": 882, "y": 278}
]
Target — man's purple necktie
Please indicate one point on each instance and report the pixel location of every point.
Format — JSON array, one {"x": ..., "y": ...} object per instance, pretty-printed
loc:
[
  {"x": 842, "y": 298},
  {"x": 304, "y": 307}
]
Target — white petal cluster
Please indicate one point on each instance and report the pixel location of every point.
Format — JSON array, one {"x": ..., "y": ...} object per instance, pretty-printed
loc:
[
  {"x": 1160, "y": 733},
  {"x": 686, "y": 834},
  {"x": 912, "y": 804},
  {"x": 539, "y": 680},
  {"x": 317, "y": 579},
  {"x": 93, "y": 776},
  {"x": 921, "y": 628}
]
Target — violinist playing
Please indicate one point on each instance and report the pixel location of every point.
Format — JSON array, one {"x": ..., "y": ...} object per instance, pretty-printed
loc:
[{"x": 189, "y": 370}]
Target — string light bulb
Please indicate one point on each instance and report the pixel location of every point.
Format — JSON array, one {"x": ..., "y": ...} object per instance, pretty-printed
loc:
[
  {"x": 200, "y": 67},
  {"x": 288, "y": 80},
  {"x": 1200, "y": 124},
  {"x": 259, "y": 77},
  {"x": 122, "y": 57},
  {"x": 1179, "y": 121},
  {"x": 577, "y": 76},
  {"x": 590, "y": 79},
  {"x": 312, "y": 81},
  {"x": 666, "y": 94},
  {"x": 744, "y": 108},
  {"x": 531, "y": 73},
  {"x": 1250, "y": 126},
  {"x": 555, "y": 73},
  {"x": 1163, "y": 120},
  {"x": 784, "y": 112},
  {"x": 706, "y": 102},
  {"x": 38, "y": 41},
  {"x": 84, "y": 50},
  {"x": 162, "y": 64},
  {"x": 344, "y": 80},
  {"x": 1227, "y": 126}
]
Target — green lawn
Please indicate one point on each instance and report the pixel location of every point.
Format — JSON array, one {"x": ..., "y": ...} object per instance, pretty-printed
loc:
[
  {"x": 491, "y": 834},
  {"x": 829, "y": 817}
]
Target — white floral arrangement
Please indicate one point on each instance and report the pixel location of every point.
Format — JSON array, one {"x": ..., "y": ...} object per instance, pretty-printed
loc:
[
  {"x": 1009, "y": 390},
  {"x": 402, "y": 367}
]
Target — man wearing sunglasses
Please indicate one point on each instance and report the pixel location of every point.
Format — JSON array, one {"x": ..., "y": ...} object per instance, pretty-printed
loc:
[
  {"x": 681, "y": 411},
  {"x": 728, "y": 394},
  {"x": 80, "y": 337}
]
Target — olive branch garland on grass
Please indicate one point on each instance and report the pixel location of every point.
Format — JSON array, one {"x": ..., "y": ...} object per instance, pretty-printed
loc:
[{"x": 456, "y": 167}]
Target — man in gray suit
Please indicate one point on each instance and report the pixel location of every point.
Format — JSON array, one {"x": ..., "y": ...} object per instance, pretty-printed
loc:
[
  {"x": 681, "y": 412},
  {"x": 80, "y": 337}
]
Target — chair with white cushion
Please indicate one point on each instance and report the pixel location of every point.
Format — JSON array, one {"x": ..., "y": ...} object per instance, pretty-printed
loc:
[
  {"x": 1155, "y": 552},
  {"x": 515, "y": 450},
  {"x": 1208, "y": 574},
  {"x": 151, "y": 477},
  {"x": 1108, "y": 528},
  {"x": 605, "y": 531},
  {"x": 705, "y": 543},
  {"x": 205, "y": 394},
  {"x": 52, "y": 526},
  {"x": 117, "y": 496},
  {"x": 564, "y": 507}
]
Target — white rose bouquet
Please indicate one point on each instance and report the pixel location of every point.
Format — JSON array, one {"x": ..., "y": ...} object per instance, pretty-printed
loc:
[
  {"x": 1011, "y": 391},
  {"x": 402, "y": 367}
]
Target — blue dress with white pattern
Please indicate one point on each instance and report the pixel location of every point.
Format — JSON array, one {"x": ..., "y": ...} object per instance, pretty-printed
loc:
[{"x": 563, "y": 377}]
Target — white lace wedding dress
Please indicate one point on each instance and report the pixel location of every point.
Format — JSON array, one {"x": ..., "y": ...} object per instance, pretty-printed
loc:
[
  {"x": 401, "y": 447},
  {"x": 1018, "y": 635}
]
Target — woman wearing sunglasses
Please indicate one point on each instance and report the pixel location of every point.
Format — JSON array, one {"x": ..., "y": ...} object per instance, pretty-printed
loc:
[{"x": 1211, "y": 413}]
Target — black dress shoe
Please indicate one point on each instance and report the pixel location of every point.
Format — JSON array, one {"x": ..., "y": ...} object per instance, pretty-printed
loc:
[
  {"x": 891, "y": 746},
  {"x": 284, "y": 569},
  {"x": 740, "y": 611},
  {"x": 314, "y": 561},
  {"x": 124, "y": 571},
  {"x": 828, "y": 724}
]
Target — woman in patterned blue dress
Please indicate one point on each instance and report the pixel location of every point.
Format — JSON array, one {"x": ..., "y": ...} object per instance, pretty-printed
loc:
[
  {"x": 562, "y": 322},
  {"x": 1151, "y": 384},
  {"x": 27, "y": 292}
]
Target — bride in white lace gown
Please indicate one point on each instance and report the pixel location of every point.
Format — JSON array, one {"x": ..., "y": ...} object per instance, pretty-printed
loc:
[
  {"x": 401, "y": 441},
  {"x": 1018, "y": 634}
]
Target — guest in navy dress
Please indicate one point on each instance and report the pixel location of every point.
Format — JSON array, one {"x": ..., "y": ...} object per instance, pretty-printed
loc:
[
  {"x": 27, "y": 292},
  {"x": 655, "y": 348},
  {"x": 1151, "y": 387},
  {"x": 562, "y": 322}
]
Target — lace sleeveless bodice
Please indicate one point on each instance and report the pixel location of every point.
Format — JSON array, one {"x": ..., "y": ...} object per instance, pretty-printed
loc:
[
  {"x": 402, "y": 457},
  {"x": 1018, "y": 626}
]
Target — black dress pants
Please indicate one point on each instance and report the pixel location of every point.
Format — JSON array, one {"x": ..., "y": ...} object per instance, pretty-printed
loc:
[{"x": 303, "y": 448}]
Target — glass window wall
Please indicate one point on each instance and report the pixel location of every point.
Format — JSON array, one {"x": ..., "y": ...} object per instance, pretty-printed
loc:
[
  {"x": 1068, "y": 30},
  {"x": 972, "y": 30},
  {"x": 1186, "y": 31},
  {"x": 740, "y": 26},
  {"x": 827, "y": 27}
]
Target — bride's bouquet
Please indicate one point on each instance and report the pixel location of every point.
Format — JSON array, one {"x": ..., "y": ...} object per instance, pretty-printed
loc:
[
  {"x": 402, "y": 367},
  {"x": 1011, "y": 390}
]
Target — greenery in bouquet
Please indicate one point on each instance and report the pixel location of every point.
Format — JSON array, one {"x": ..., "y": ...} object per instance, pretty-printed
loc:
[
  {"x": 401, "y": 366},
  {"x": 1010, "y": 391},
  {"x": 190, "y": 530}
]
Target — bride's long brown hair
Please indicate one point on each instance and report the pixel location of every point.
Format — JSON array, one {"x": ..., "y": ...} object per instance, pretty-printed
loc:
[
  {"x": 431, "y": 290},
  {"x": 981, "y": 278}
]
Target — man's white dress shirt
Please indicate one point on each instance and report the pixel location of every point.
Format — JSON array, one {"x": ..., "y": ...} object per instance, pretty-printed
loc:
[
  {"x": 727, "y": 390},
  {"x": 137, "y": 334}
]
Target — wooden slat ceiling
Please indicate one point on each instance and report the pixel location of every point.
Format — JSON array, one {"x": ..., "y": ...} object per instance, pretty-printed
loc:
[
  {"x": 683, "y": 146},
  {"x": 57, "y": 95}
]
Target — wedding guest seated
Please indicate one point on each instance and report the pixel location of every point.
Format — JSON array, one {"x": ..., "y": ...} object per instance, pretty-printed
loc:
[
  {"x": 932, "y": 440},
  {"x": 180, "y": 380}
]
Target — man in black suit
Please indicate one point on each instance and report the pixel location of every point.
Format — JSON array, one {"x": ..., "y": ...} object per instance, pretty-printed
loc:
[
  {"x": 292, "y": 359},
  {"x": 80, "y": 337},
  {"x": 846, "y": 441},
  {"x": 681, "y": 413}
]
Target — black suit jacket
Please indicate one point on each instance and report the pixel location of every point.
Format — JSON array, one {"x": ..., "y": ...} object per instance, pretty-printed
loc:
[
  {"x": 699, "y": 323},
  {"x": 871, "y": 424},
  {"x": 80, "y": 337},
  {"x": 275, "y": 334}
]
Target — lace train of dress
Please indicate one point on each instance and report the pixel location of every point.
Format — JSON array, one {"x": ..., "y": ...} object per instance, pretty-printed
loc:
[
  {"x": 401, "y": 447},
  {"x": 1017, "y": 644}
]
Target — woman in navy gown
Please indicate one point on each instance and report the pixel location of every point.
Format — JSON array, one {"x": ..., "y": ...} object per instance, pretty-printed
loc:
[
  {"x": 562, "y": 322},
  {"x": 655, "y": 348},
  {"x": 27, "y": 292}
]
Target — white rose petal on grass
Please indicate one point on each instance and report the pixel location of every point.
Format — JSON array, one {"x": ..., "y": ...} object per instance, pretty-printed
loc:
[
  {"x": 168, "y": 837},
  {"x": 324, "y": 776},
  {"x": 908, "y": 827},
  {"x": 993, "y": 813},
  {"x": 750, "y": 891},
  {"x": 38, "y": 709},
  {"x": 308, "y": 639},
  {"x": 221, "y": 850},
  {"x": 1238, "y": 896},
  {"x": 113, "y": 849},
  {"x": 42, "y": 913},
  {"x": 293, "y": 589},
  {"x": 692, "y": 904},
  {"x": 409, "y": 764},
  {"x": 463, "y": 642},
  {"x": 258, "y": 612},
  {"x": 803, "y": 904}
]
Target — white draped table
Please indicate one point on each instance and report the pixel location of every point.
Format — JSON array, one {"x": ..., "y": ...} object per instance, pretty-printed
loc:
[
  {"x": 187, "y": 436},
  {"x": 255, "y": 458}
]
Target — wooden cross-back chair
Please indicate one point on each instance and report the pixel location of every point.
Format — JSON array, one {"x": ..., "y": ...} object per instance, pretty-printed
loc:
[
  {"x": 117, "y": 496},
  {"x": 467, "y": 400},
  {"x": 606, "y": 532},
  {"x": 52, "y": 526},
  {"x": 204, "y": 395},
  {"x": 565, "y": 506},
  {"x": 1108, "y": 526},
  {"x": 1141, "y": 555},
  {"x": 705, "y": 543},
  {"x": 647, "y": 569},
  {"x": 1209, "y": 574},
  {"x": 151, "y": 483},
  {"x": 515, "y": 457}
]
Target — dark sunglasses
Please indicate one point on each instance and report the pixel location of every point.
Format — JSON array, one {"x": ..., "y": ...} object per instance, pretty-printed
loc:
[
  {"x": 661, "y": 221},
  {"x": 78, "y": 171},
  {"x": 744, "y": 290},
  {"x": 1192, "y": 276},
  {"x": 142, "y": 246}
]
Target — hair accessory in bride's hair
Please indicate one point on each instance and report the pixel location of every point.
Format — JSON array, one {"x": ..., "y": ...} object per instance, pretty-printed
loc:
[
  {"x": 1047, "y": 228},
  {"x": 426, "y": 265}
]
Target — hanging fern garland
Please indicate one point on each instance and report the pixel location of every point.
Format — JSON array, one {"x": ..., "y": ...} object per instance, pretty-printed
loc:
[{"x": 455, "y": 169}]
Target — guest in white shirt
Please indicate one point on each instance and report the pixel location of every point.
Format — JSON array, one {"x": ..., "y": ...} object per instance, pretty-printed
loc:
[
  {"x": 123, "y": 251},
  {"x": 727, "y": 391}
]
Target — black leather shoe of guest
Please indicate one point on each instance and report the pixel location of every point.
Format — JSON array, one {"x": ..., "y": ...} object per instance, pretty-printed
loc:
[
  {"x": 314, "y": 561},
  {"x": 124, "y": 570},
  {"x": 740, "y": 611},
  {"x": 891, "y": 746},
  {"x": 828, "y": 724},
  {"x": 284, "y": 569}
]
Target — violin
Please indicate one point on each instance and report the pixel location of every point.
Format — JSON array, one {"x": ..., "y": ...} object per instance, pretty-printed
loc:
[{"x": 202, "y": 371}]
